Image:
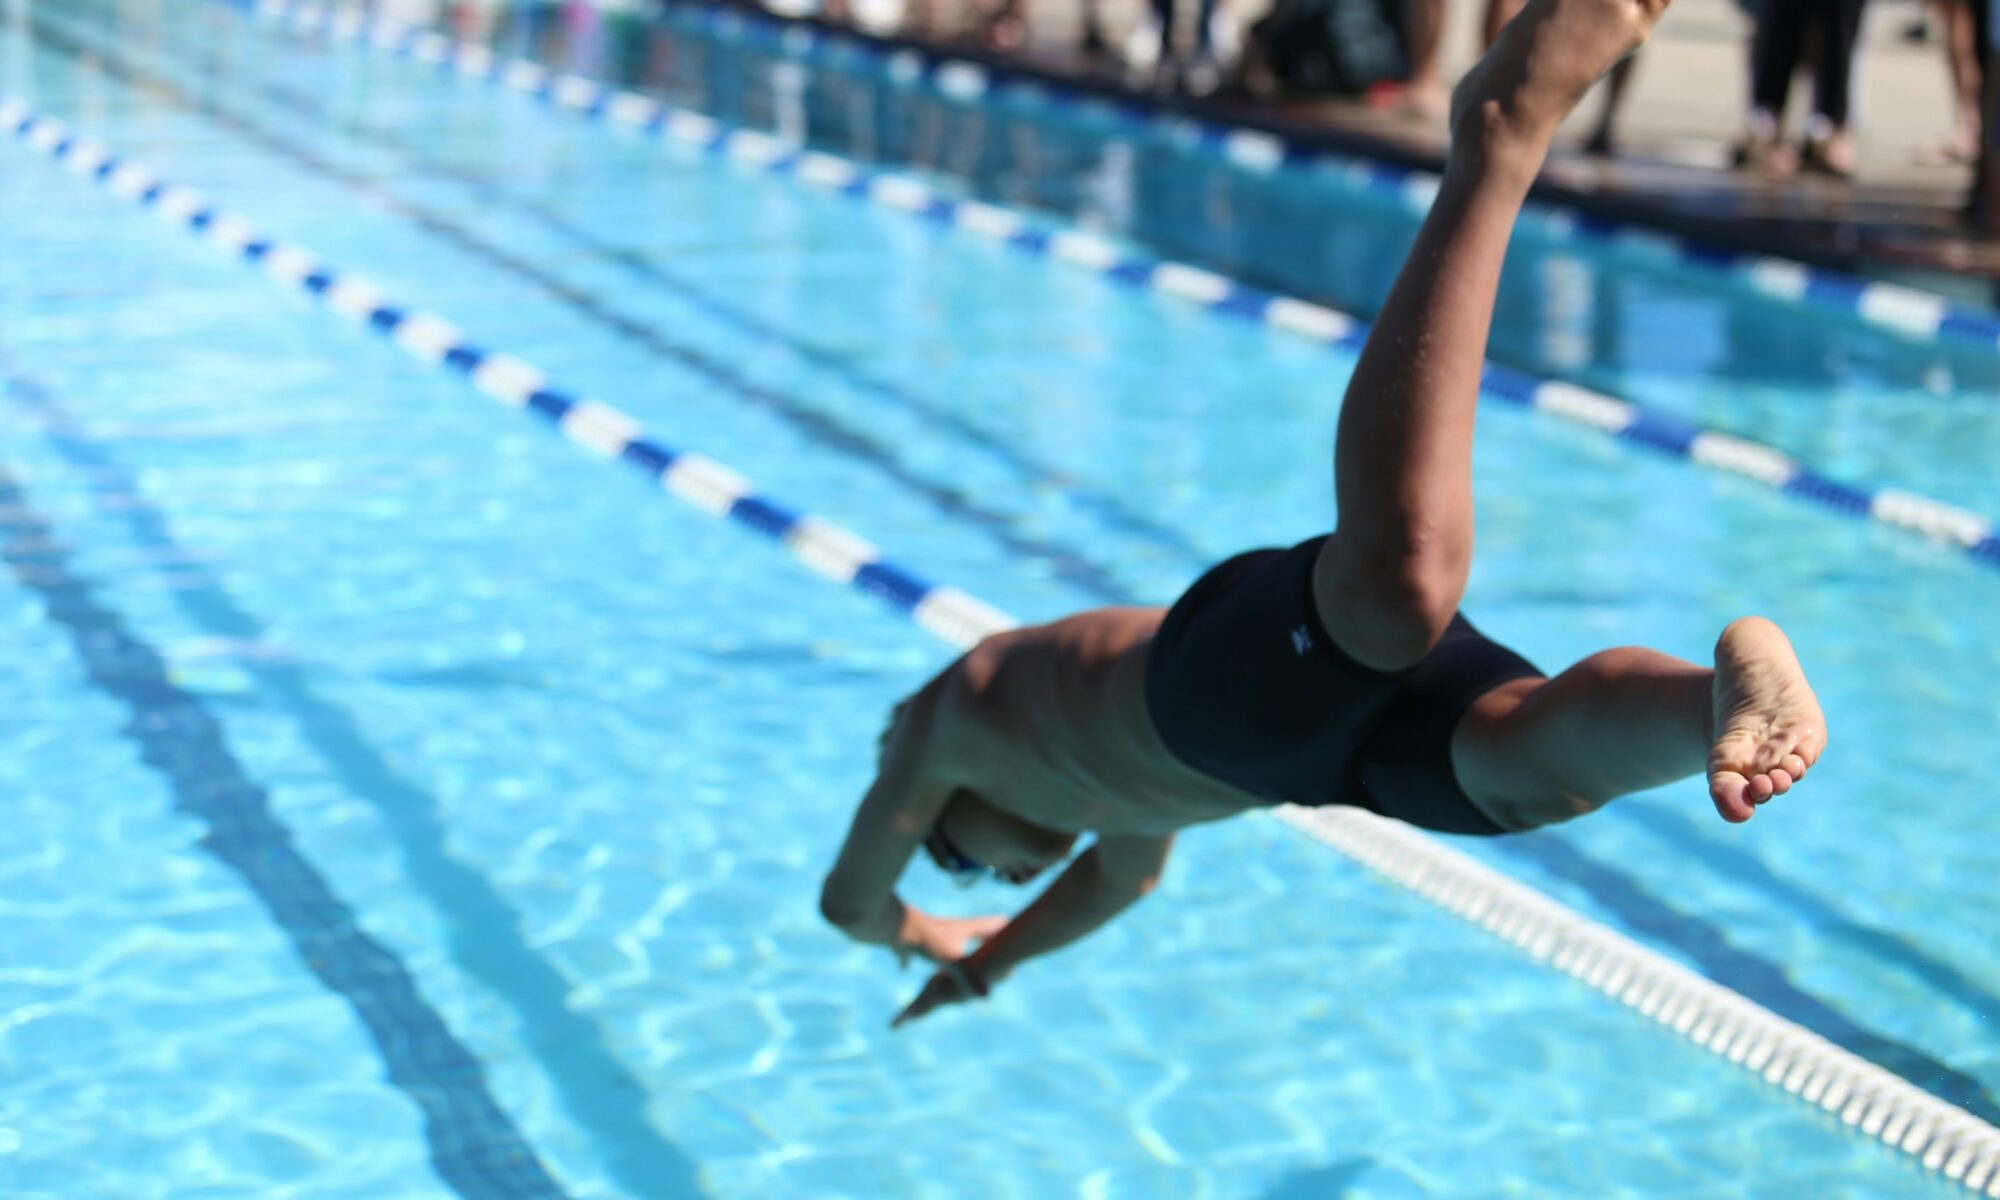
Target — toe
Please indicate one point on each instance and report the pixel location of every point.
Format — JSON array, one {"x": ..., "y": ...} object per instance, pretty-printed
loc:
[
  {"x": 1793, "y": 765},
  {"x": 1731, "y": 794},
  {"x": 1781, "y": 782}
]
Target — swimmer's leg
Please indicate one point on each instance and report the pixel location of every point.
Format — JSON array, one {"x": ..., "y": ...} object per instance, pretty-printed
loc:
[
  {"x": 1389, "y": 579},
  {"x": 1534, "y": 752}
]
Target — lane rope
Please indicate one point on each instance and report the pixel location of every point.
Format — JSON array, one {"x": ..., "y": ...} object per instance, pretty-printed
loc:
[
  {"x": 1908, "y": 312},
  {"x": 1865, "y": 1096},
  {"x": 1950, "y": 525}
]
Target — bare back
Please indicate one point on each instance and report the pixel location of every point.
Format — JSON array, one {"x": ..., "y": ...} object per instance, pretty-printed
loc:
[{"x": 1053, "y": 728}]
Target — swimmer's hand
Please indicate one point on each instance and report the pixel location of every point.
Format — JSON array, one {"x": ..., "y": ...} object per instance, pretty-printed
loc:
[
  {"x": 943, "y": 939},
  {"x": 954, "y": 983}
]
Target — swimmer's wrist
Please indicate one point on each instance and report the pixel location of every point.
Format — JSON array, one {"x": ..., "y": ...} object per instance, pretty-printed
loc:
[
  {"x": 987, "y": 968},
  {"x": 912, "y": 927}
]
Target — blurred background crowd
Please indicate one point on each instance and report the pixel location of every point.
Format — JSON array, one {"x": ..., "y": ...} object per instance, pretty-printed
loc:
[{"x": 1773, "y": 90}]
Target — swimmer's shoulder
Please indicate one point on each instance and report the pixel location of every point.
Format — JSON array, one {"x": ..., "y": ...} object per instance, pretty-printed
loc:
[{"x": 1060, "y": 655}]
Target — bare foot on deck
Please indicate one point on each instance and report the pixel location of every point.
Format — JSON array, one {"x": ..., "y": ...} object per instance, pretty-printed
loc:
[
  {"x": 1768, "y": 727},
  {"x": 1547, "y": 57}
]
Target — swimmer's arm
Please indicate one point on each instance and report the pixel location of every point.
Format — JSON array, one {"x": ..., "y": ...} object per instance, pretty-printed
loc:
[
  {"x": 1102, "y": 882},
  {"x": 901, "y": 806}
]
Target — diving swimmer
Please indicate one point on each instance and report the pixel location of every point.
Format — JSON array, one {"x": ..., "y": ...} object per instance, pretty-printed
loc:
[{"x": 1338, "y": 671}]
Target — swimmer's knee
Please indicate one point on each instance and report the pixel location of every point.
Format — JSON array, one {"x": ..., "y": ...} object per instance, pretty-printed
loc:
[
  {"x": 1387, "y": 609},
  {"x": 1505, "y": 771}
]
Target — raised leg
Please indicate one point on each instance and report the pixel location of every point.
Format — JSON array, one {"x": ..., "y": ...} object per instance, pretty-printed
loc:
[
  {"x": 1391, "y": 575},
  {"x": 1536, "y": 752},
  {"x": 1424, "y": 33}
]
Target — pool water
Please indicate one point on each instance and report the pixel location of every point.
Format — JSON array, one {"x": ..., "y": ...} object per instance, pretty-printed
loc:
[{"x": 405, "y": 804}]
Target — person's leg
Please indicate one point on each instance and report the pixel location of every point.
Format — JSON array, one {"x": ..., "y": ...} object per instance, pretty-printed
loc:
[
  {"x": 1963, "y": 39},
  {"x": 1829, "y": 146},
  {"x": 1982, "y": 202},
  {"x": 1775, "y": 48},
  {"x": 1094, "y": 43},
  {"x": 1603, "y": 140},
  {"x": 1833, "y": 74},
  {"x": 1166, "y": 62},
  {"x": 1203, "y": 74},
  {"x": 1389, "y": 578},
  {"x": 1534, "y": 752},
  {"x": 1005, "y": 26},
  {"x": 1423, "y": 23}
]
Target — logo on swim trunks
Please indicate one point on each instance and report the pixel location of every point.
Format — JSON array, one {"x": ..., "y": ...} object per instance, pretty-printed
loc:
[{"x": 1302, "y": 640}]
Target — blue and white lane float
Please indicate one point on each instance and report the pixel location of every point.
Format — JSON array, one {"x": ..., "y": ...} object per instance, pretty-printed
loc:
[
  {"x": 1911, "y": 313},
  {"x": 1969, "y": 531},
  {"x": 1863, "y": 1095}
]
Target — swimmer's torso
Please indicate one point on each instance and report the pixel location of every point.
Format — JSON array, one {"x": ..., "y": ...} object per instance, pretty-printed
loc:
[{"x": 1058, "y": 732}]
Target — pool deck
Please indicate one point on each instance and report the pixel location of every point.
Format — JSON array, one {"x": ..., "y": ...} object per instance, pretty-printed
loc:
[{"x": 1900, "y": 218}]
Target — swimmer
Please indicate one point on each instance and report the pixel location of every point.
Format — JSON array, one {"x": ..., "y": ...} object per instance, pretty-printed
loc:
[{"x": 1338, "y": 671}]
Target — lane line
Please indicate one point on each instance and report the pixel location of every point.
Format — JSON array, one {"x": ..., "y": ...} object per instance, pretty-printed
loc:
[
  {"x": 474, "y": 1145},
  {"x": 598, "y": 1093}
]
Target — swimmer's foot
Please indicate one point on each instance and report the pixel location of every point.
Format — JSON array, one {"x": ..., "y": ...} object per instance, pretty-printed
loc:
[
  {"x": 1545, "y": 60},
  {"x": 1769, "y": 730}
]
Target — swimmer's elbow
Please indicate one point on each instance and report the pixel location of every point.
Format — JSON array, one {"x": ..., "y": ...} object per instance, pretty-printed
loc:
[{"x": 841, "y": 911}]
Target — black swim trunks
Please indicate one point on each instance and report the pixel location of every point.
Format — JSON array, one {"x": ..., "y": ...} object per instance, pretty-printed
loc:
[{"x": 1244, "y": 685}]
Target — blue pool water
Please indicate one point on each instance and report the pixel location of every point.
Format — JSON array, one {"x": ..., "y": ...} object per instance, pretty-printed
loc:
[{"x": 403, "y": 803}]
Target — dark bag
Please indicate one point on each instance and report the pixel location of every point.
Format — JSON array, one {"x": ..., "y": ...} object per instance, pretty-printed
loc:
[{"x": 1340, "y": 47}]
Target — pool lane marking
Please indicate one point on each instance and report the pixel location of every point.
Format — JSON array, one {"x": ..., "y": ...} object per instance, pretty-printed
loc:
[
  {"x": 1907, "y": 312},
  {"x": 598, "y": 1093},
  {"x": 1663, "y": 433},
  {"x": 1865, "y": 1096},
  {"x": 474, "y": 1145}
]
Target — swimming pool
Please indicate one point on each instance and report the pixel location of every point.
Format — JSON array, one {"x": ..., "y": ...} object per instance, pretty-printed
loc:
[{"x": 416, "y": 692}]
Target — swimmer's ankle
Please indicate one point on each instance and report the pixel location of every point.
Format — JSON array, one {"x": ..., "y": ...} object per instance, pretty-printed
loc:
[{"x": 1492, "y": 140}]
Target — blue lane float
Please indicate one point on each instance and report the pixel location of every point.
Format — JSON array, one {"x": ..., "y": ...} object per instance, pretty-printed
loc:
[
  {"x": 1660, "y": 432},
  {"x": 1867, "y": 1097},
  {"x": 598, "y": 427},
  {"x": 1908, "y": 312}
]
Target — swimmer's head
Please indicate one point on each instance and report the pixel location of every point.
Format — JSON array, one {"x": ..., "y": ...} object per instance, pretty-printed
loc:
[{"x": 972, "y": 840}]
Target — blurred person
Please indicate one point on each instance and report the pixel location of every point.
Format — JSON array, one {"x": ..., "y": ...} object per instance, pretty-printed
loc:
[
  {"x": 1982, "y": 205},
  {"x": 1776, "y": 50},
  {"x": 1005, "y": 26},
  {"x": 1153, "y": 51},
  {"x": 1423, "y": 92},
  {"x": 1330, "y": 47},
  {"x": 1336, "y": 672},
  {"x": 1603, "y": 139},
  {"x": 1964, "y": 25}
]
